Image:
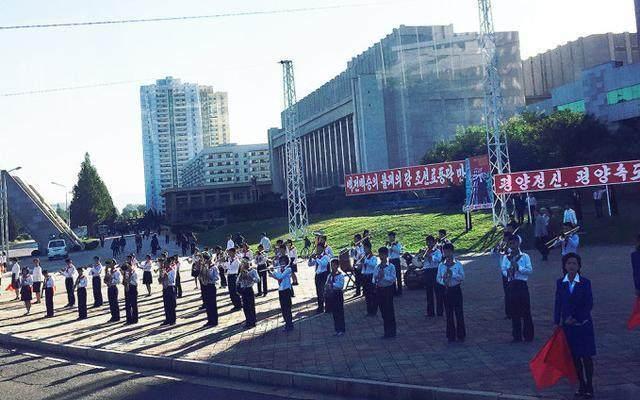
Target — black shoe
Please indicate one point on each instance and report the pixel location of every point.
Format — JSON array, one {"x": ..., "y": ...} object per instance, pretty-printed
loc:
[{"x": 164, "y": 323}]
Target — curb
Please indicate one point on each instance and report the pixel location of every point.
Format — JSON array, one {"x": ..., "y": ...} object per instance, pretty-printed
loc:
[{"x": 346, "y": 387}]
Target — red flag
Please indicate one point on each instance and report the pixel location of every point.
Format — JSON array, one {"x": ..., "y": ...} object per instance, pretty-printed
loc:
[
  {"x": 553, "y": 362},
  {"x": 634, "y": 320}
]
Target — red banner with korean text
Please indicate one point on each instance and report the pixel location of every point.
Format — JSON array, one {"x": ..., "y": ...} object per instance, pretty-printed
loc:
[
  {"x": 615, "y": 173},
  {"x": 420, "y": 177}
]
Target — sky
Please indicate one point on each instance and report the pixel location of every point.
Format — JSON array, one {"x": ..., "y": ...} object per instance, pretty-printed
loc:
[{"x": 47, "y": 134}]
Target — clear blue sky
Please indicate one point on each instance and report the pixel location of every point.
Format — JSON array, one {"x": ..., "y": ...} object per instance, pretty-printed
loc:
[{"x": 47, "y": 134}]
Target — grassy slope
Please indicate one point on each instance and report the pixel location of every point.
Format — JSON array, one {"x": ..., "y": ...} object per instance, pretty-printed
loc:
[{"x": 411, "y": 225}]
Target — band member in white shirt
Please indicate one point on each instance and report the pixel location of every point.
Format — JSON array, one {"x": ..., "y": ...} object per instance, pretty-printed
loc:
[
  {"x": 369, "y": 265},
  {"x": 69, "y": 273},
  {"x": 168, "y": 280},
  {"x": 48, "y": 290},
  {"x": 569, "y": 243},
  {"x": 261, "y": 262},
  {"x": 81, "y": 286},
  {"x": 38, "y": 278},
  {"x": 96, "y": 282},
  {"x": 321, "y": 263},
  {"x": 430, "y": 262},
  {"x": 335, "y": 297},
  {"x": 209, "y": 275},
  {"x": 246, "y": 279},
  {"x": 450, "y": 276},
  {"x": 25, "y": 282},
  {"x": 516, "y": 267},
  {"x": 357, "y": 253},
  {"x": 147, "y": 276},
  {"x": 293, "y": 256},
  {"x": 130, "y": 281},
  {"x": 569, "y": 215},
  {"x": 232, "y": 278},
  {"x": 266, "y": 243},
  {"x": 113, "y": 278},
  {"x": 230, "y": 243},
  {"x": 384, "y": 279},
  {"x": 395, "y": 251},
  {"x": 283, "y": 275}
]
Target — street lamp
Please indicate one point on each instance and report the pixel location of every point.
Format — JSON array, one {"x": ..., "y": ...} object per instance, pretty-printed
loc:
[
  {"x": 4, "y": 211},
  {"x": 66, "y": 201}
]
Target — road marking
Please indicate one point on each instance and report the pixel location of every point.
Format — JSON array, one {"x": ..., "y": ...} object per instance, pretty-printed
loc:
[
  {"x": 56, "y": 359},
  {"x": 32, "y": 354},
  {"x": 170, "y": 378},
  {"x": 124, "y": 371},
  {"x": 91, "y": 366}
]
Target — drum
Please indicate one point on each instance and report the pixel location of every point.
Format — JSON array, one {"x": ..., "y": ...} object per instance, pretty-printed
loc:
[
  {"x": 414, "y": 278},
  {"x": 345, "y": 261}
]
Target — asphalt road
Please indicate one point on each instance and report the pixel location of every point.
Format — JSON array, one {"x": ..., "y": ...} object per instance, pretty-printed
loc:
[{"x": 27, "y": 376}]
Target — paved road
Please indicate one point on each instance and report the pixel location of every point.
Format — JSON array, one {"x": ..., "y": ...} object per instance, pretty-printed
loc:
[{"x": 26, "y": 376}]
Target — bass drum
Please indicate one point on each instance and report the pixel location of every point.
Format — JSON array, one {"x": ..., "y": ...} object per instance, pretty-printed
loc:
[
  {"x": 414, "y": 278},
  {"x": 345, "y": 262}
]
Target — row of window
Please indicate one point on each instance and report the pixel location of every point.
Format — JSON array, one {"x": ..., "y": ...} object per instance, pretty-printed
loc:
[
  {"x": 576, "y": 106},
  {"x": 628, "y": 93}
]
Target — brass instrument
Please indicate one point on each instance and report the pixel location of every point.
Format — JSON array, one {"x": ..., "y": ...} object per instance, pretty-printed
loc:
[
  {"x": 514, "y": 268},
  {"x": 554, "y": 242},
  {"x": 446, "y": 278}
]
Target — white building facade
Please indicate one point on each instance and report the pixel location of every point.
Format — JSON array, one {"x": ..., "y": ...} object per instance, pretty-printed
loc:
[{"x": 215, "y": 116}]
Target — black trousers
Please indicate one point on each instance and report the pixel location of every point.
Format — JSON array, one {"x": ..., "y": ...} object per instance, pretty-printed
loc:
[
  {"x": 598, "y": 206},
  {"x": 369, "y": 294},
  {"x": 223, "y": 277},
  {"x": 453, "y": 309},
  {"x": 169, "y": 303},
  {"x": 112, "y": 295},
  {"x": 203, "y": 295},
  {"x": 320, "y": 281},
  {"x": 520, "y": 310},
  {"x": 337, "y": 309},
  {"x": 396, "y": 263},
  {"x": 262, "y": 285},
  {"x": 541, "y": 246},
  {"x": 48, "y": 301},
  {"x": 68, "y": 285},
  {"x": 357, "y": 273},
  {"x": 82, "y": 303},
  {"x": 435, "y": 301},
  {"x": 505, "y": 286},
  {"x": 285, "y": 305},
  {"x": 384, "y": 299},
  {"x": 233, "y": 290},
  {"x": 248, "y": 305},
  {"x": 178, "y": 284},
  {"x": 211, "y": 303},
  {"x": 96, "y": 286},
  {"x": 131, "y": 304}
]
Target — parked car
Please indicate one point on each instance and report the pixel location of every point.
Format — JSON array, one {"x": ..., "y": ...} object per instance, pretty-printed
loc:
[{"x": 57, "y": 248}]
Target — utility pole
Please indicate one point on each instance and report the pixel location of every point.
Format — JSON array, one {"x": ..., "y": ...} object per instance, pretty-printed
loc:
[
  {"x": 496, "y": 137},
  {"x": 296, "y": 194}
]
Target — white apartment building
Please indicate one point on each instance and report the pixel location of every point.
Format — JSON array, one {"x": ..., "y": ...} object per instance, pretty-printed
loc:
[
  {"x": 176, "y": 116},
  {"x": 230, "y": 163}
]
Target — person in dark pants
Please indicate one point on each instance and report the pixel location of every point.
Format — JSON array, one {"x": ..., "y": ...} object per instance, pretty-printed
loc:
[
  {"x": 168, "y": 279},
  {"x": 541, "y": 232},
  {"x": 357, "y": 253},
  {"x": 395, "y": 251},
  {"x": 261, "y": 266},
  {"x": 430, "y": 263},
  {"x": 48, "y": 289},
  {"x": 369, "y": 265},
  {"x": 283, "y": 275},
  {"x": 246, "y": 279},
  {"x": 96, "y": 283},
  {"x": 384, "y": 279},
  {"x": 572, "y": 312},
  {"x": 209, "y": 276},
  {"x": 516, "y": 267},
  {"x": 232, "y": 278},
  {"x": 321, "y": 263},
  {"x": 113, "y": 278},
  {"x": 450, "y": 276},
  {"x": 222, "y": 264},
  {"x": 69, "y": 273},
  {"x": 130, "y": 281},
  {"x": 335, "y": 297},
  {"x": 81, "y": 286}
]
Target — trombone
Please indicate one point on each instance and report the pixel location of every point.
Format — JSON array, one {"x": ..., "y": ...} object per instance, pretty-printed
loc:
[{"x": 553, "y": 242}]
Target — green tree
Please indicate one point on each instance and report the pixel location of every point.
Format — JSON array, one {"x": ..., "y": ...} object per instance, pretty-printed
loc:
[
  {"x": 91, "y": 204},
  {"x": 133, "y": 211}
]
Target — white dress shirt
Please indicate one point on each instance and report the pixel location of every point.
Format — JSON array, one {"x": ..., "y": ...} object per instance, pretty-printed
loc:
[
  {"x": 370, "y": 265},
  {"x": 230, "y": 244},
  {"x": 570, "y": 216},
  {"x": 69, "y": 271},
  {"x": 234, "y": 266},
  {"x": 524, "y": 267},
  {"x": 133, "y": 278},
  {"x": 266, "y": 243},
  {"x": 96, "y": 270},
  {"x": 436, "y": 258},
  {"x": 37, "y": 274},
  {"x": 147, "y": 266},
  {"x": 572, "y": 284},
  {"x": 49, "y": 283},
  {"x": 116, "y": 278},
  {"x": 457, "y": 274},
  {"x": 15, "y": 269},
  {"x": 82, "y": 281},
  {"x": 570, "y": 244}
]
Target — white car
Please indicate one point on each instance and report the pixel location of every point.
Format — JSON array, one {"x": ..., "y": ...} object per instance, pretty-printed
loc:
[{"x": 57, "y": 248}]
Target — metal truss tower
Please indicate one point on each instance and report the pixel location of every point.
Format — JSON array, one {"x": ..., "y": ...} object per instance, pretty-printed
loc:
[
  {"x": 496, "y": 137},
  {"x": 296, "y": 195}
]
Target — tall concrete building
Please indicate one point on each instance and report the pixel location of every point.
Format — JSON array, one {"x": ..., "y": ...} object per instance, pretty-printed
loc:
[
  {"x": 564, "y": 64},
  {"x": 394, "y": 102},
  {"x": 637, "y": 6},
  {"x": 215, "y": 116}
]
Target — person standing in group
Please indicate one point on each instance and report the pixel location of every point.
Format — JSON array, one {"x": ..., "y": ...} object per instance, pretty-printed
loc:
[
  {"x": 576, "y": 201},
  {"x": 431, "y": 258},
  {"x": 395, "y": 251},
  {"x": 102, "y": 239},
  {"x": 520, "y": 205},
  {"x": 335, "y": 297},
  {"x": 569, "y": 216},
  {"x": 48, "y": 290},
  {"x": 16, "y": 272},
  {"x": 450, "y": 276},
  {"x": 442, "y": 238},
  {"x": 130, "y": 281},
  {"x": 209, "y": 275},
  {"x": 369, "y": 265},
  {"x": 283, "y": 275},
  {"x": 321, "y": 263},
  {"x": 532, "y": 204},
  {"x": 635, "y": 266},
  {"x": 384, "y": 280},
  {"x": 232, "y": 278},
  {"x": 155, "y": 244},
  {"x": 81, "y": 287},
  {"x": 147, "y": 276},
  {"x": 176, "y": 266},
  {"x": 69, "y": 273},
  {"x": 541, "y": 232},
  {"x": 122, "y": 242},
  {"x": 569, "y": 242},
  {"x": 517, "y": 268},
  {"x": 572, "y": 312},
  {"x": 38, "y": 278},
  {"x": 138, "y": 240},
  {"x": 293, "y": 259},
  {"x": 222, "y": 265},
  {"x": 261, "y": 261},
  {"x": 597, "y": 201},
  {"x": 167, "y": 278},
  {"x": 230, "y": 243},
  {"x": 96, "y": 283},
  {"x": 25, "y": 283},
  {"x": 113, "y": 278},
  {"x": 266, "y": 243},
  {"x": 357, "y": 253},
  {"x": 115, "y": 247},
  {"x": 247, "y": 277}
]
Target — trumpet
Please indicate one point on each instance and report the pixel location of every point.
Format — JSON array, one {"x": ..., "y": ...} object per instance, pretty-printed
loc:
[{"x": 553, "y": 242}]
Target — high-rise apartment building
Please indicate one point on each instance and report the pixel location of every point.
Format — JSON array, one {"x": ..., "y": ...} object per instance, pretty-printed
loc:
[{"x": 215, "y": 117}]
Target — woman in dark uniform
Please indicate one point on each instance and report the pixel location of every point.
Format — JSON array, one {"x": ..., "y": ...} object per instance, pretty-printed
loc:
[{"x": 572, "y": 311}]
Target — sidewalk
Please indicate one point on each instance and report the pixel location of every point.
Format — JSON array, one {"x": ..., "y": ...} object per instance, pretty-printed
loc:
[{"x": 420, "y": 355}]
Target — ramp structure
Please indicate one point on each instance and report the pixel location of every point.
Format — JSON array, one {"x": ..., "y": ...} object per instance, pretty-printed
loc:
[{"x": 26, "y": 205}]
